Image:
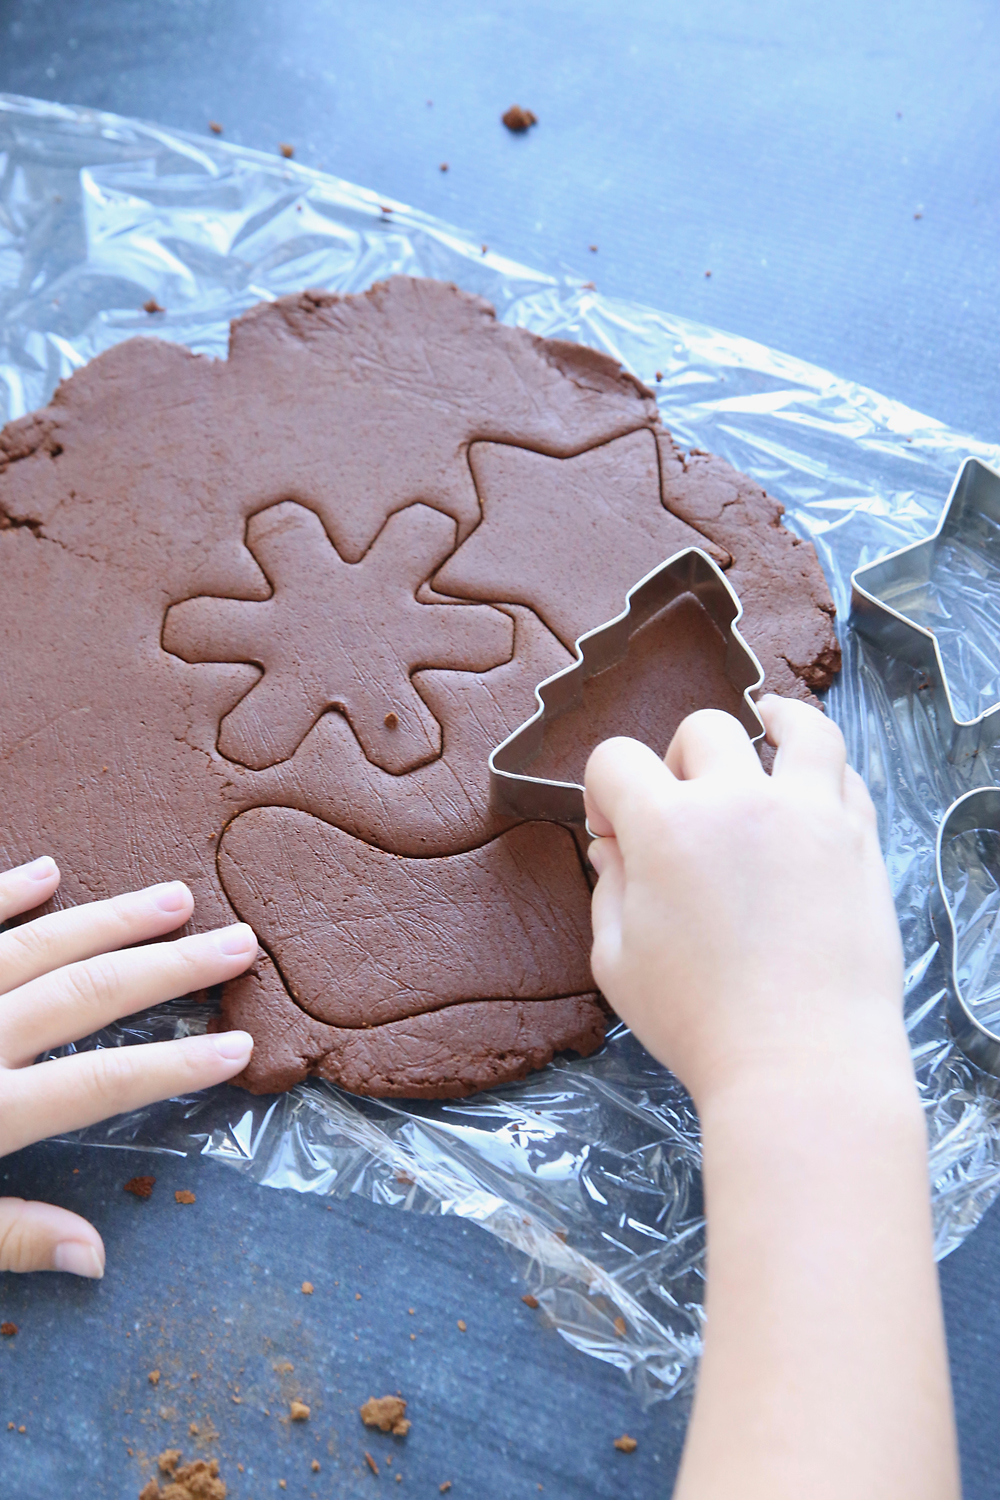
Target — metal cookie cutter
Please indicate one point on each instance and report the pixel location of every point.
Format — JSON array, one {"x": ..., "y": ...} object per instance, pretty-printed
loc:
[
  {"x": 978, "y": 809},
  {"x": 881, "y": 593},
  {"x": 515, "y": 793}
]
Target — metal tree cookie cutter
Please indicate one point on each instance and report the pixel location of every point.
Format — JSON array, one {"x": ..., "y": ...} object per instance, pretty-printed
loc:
[
  {"x": 513, "y": 791},
  {"x": 976, "y": 810},
  {"x": 882, "y": 593}
]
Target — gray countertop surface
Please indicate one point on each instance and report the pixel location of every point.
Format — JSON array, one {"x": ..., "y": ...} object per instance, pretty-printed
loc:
[{"x": 836, "y": 169}]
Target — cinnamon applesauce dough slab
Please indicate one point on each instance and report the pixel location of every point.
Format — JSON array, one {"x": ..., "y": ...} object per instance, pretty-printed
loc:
[{"x": 265, "y": 617}]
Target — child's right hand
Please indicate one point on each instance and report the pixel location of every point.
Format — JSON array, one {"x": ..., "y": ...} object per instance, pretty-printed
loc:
[
  {"x": 743, "y": 922},
  {"x": 66, "y": 975}
]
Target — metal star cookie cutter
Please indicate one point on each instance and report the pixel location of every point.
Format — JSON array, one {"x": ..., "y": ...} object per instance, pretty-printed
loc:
[
  {"x": 880, "y": 592},
  {"x": 515, "y": 793},
  {"x": 978, "y": 809}
]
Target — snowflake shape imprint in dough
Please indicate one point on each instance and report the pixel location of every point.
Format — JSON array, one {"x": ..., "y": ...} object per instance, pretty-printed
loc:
[{"x": 338, "y": 635}]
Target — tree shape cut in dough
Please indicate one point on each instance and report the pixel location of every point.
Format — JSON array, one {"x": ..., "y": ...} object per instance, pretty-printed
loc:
[{"x": 339, "y": 635}]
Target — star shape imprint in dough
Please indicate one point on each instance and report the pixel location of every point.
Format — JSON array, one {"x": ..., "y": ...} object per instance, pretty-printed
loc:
[
  {"x": 337, "y": 635},
  {"x": 568, "y": 537}
]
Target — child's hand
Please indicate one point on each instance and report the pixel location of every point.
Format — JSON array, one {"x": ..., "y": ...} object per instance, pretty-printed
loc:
[
  {"x": 62, "y": 977},
  {"x": 743, "y": 922}
]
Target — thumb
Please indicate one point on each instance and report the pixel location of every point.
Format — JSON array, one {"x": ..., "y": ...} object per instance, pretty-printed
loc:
[
  {"x": 41, "y": 1237},
  {"x": 622, "y": 779}
]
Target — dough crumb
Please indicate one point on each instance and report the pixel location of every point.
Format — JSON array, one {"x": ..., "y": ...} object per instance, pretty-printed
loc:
[
  {"x": 371, "y": 1463},
  {"x": 8, "y": 1330},
  {"x": 518, "y": 120},
  {"x": 530, "y": 1301},
  {"x": 444, "y": 1488},
  {"x": 215, "y": 127},
  {"x": 286, "y": 150},
  {"x": 153, "y": 1377},
  {"x": 387, "y": 1413},
  {"x": 184, "y": 1195},
  {"x": 315, "y": 1465},
  {"x": 308, "y": 1288},
  {"x": 299, "y": 1411},
  {"x": 621, "y": 1326},
  {"x": 391, "y": 720},
  {"x": 168, "y": 1460},
  {"x": 140, "y": 1187},
  {"x": 462, "y": 1327},
  {"x": 443, "y": 167},
  {"x": 152, "y": 306},
  {"x": 626, "y": 1444}
]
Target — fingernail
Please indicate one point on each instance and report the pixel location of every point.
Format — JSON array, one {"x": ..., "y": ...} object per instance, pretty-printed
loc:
[
  {"x": 172, "y": 897},
  {"x": 79, "y": 1259},
  {"x": 234, "y": 1046},
  {"x": 40, "y": 869},
  {"x": 236, "y": 939}
]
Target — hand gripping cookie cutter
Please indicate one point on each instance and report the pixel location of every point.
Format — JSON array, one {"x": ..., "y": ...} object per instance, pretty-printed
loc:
[
  {"x": 881, "y": 590},
  {"x": 515, "y": 793},
  {"x": 979, "y": 808}
]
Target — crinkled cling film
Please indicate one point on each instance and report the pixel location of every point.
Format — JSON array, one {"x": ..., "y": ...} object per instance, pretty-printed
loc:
[{"x": 590, "y": 1169}]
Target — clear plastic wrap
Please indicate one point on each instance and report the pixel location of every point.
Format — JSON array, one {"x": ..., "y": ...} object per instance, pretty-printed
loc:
[{"x": 589, "y": 1170}]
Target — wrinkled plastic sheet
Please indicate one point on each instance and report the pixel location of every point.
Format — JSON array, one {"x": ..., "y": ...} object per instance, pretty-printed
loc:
[{"x": 589, "y": 1170}]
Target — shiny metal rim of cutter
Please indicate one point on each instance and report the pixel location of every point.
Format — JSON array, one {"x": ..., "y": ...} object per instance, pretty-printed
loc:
[
  {"x": 979, "y": 808},
  {"x": 515, "y": 793},
  {"x": 973, "y": 502}
]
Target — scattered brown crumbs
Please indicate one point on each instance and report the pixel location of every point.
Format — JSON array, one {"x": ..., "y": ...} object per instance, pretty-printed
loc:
[
  {"x": 140, "y": 1187},
  {"x": 586, "y": 286},
  {"x": 626, "y": 1444},
  {"x": 152, "y": 306},
  {"x": 391, "y": 720},
  {"x": 357, "y": 1296},
  {"x": 215, "y": 127},
  {"x": 484, "y": 248},
  {"x": 413, "y": 1338},
  {"x": 22, "y": 1428},
  {"x": 387, "y": 1413},
  {"x": 315, "y": 1465},
  {"x": 153, "y": 1377},
  {"x": 443, "y": 167},
  {"x": 299, "y": 1411},
  {"x": 462, "y": 1325},
  {"x": 194, "y": 1481},
  {"x": 918, "y": 214},
  {"x": 308, "y": 1288},
  {"x": 184, "y": 1195},
  {"x": 444, "y": 1488},
  {"x": 621, "y": 1326},
  {"x": 659, "y": 376},
  {"x": 8, "y": 1330},
  {"x": 371, "y": 1463},
  {"x": 411, "y": 1311},
  {"x": 518, "y": 120},
  {"x": 592, "y": 249},
  {"x": 530, "y": 1301},
  {"x": 286, "y": 150},
  {"x": 708, "y": 273},
  {"x": 10, "y": 1427},
  {"x": 386, "y": 208}
]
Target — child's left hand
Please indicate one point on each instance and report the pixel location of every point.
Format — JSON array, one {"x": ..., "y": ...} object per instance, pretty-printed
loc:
[{"x": 66, "y": 975}]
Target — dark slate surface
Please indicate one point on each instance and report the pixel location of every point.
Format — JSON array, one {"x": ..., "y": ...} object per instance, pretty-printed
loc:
[{"x": 786, "y": 147}]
